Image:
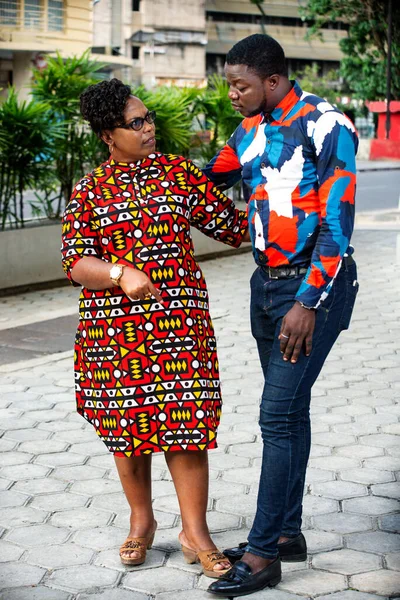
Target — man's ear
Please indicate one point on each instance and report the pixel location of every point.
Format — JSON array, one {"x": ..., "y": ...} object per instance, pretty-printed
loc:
[{"x": 273, "y": 82}]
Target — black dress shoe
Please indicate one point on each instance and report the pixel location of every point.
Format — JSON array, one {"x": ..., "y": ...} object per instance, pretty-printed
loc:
[
  {"x": 240, "y": 580},
  {"x": 294, "y": 550}
]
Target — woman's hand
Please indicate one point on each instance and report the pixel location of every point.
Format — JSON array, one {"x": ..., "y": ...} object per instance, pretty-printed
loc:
[
  {"x": 137, "y": 285},
  {"x": 246, "y": 237}
]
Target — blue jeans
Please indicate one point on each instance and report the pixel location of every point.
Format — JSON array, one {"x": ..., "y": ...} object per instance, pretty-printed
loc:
[{"x": 285, "y": 401}]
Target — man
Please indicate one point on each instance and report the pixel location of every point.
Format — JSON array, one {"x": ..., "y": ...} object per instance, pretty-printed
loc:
[{"x": 295, "y": 154}]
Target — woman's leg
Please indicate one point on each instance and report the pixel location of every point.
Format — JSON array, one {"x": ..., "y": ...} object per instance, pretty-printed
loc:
[
  {"x": 189, "y": 471},
  {"x": 135, "y": 476}
]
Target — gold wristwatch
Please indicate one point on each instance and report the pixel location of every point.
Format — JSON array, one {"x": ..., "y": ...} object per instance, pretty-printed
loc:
[{"x": 116, "y": 273}]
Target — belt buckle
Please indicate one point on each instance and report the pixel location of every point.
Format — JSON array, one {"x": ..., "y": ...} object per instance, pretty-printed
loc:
[{"x": 270, "y": 274}]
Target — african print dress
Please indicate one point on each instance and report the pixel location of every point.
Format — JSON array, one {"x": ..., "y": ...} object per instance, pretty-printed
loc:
[{"x": 146, "y": 374}]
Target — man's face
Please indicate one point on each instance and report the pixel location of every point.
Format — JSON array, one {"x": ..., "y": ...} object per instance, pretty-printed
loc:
[{"x": 247, "y": 91}]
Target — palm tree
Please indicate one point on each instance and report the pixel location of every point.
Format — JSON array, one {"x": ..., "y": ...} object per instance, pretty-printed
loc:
[
  {"x": 214, "y": 115},
  {"x": 60, "y": 85},
  {"x": 175, "y": 111},
  {"x": 28, "y": 135}
]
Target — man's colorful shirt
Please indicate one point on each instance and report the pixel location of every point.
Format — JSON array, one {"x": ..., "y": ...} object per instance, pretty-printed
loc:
[{"x": 299, "y": 179}]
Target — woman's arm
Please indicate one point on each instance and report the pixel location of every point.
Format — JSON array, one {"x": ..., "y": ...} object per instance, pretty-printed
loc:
[
  {"x": 94, "y": 274},
  {"x": 82, "y": 251},
  {"x": 213, "y": 213}
]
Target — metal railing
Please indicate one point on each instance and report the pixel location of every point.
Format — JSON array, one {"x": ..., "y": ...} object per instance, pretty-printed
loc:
[{"x": 32, "y": 15}]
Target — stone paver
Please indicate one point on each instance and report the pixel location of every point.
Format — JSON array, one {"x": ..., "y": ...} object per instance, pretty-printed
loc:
[
  {"x": 346, "y": 562},
  {"x": 78, "y": 579},
  {"x": 63, "y": 514},
  {"x": 384, "y": 583}
]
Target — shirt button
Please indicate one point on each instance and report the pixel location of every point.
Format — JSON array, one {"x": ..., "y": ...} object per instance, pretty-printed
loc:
[{"x": 263, "y": 165}]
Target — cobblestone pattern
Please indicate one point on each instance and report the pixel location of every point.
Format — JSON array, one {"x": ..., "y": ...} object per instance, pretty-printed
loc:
[{"x": 63, "y": 514}]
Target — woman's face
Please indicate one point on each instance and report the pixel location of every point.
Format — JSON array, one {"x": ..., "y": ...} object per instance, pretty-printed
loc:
[{"x": 128, "y": 145}]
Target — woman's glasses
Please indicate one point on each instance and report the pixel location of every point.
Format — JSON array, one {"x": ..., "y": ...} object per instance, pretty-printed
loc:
[{"x": 137, "y": 123}]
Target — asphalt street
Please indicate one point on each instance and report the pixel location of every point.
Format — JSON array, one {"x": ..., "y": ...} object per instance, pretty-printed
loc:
[{"x": 378, "y": 190}]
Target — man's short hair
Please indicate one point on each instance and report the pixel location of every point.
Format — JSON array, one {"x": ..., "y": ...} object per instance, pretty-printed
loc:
[{"x": 261, "y": 53}]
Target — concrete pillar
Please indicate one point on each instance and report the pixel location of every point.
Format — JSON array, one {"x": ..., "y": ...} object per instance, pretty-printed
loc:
[{"x": 22, "y": 73}]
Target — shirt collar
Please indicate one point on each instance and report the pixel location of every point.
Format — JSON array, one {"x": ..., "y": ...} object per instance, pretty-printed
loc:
[{"x": 282, "y": 109}]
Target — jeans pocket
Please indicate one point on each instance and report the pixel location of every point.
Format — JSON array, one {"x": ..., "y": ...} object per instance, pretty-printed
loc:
[{"x": 351, "y": 295}]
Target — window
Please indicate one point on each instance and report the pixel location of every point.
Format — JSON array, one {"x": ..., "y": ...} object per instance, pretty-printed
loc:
[
  {"x": 135, "y": 5},
  {"x": 135, "y": 52},
  {"x": 8, "y": 12},
  {"x": 32, "y": 10},
  {"x": 55, "y": 16}
]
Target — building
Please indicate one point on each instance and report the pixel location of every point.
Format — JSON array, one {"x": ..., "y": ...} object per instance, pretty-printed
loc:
[
  {"x": 30, "y": 29},
  {"x": 229, "y": 21},
  {"x": 169, "y": 37},
  {"x": 164, "y": 39},
  {"x": 152, "y": 42}
]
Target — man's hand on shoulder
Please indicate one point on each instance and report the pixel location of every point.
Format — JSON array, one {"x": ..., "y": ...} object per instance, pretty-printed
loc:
[{"x": 296, "y": 332}]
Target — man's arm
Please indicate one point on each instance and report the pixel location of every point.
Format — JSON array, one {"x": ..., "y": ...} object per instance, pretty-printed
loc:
[
  {"x": 335, "y": 143},
  {"x": 225, "y": 169}
]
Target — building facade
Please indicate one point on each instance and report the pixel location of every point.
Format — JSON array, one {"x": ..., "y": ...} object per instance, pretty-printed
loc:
[
  {"x": 152, "y": 42},
  {"x": 228, "y": 21},
  {"x": 29, "y": 29}
]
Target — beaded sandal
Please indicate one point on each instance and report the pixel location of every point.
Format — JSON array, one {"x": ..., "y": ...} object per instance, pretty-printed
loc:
[
  {"x": 208, "y": 559},
  {"x": 139, "y": 545}
]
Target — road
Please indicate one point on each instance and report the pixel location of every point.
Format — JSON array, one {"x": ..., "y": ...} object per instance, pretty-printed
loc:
[{"x": 378, "y": 190}]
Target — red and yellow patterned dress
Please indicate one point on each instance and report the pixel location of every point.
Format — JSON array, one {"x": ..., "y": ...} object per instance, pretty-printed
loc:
[{"x": 147, "y": 374}]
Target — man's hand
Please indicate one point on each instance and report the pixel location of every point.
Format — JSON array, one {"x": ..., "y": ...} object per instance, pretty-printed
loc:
[
  {"x": 297, "y": 331},
  {"x": 137, "y": 286}
]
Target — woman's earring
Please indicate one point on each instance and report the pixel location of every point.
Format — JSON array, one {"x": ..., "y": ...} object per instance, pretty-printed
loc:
[{"x": 111, "y": 147}]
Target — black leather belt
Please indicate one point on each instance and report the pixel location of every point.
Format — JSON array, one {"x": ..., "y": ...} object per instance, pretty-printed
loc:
[
  {"x": 286, "y": 272},
  {"x": 283, "y": 272}
]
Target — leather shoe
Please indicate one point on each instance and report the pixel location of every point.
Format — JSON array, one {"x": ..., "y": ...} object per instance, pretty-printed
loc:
[
  {"x": 240, "y": 580},
  {"x": 294, "y": 550}
]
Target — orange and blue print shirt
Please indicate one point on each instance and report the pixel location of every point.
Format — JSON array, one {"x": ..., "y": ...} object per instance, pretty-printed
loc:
[{"x": 298, "y": 170}]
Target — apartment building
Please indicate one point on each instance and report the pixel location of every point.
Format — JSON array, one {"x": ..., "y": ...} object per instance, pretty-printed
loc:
[
  {"x": 153, "y": 42},
  {"x": 165, "y": 39},
  {"x": 175, "y": 41},
  {"x": 31, "y": 29},
  {"x": 228, "y": 21}
]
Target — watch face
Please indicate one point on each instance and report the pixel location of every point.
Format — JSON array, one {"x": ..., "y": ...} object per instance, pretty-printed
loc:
[{"x": 115, "y": 272}]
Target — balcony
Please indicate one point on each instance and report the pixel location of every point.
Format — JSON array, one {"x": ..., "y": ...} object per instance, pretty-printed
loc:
[{"x": 36, "y": 16}]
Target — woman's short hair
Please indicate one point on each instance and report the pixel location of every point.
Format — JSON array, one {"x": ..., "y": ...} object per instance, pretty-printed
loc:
[
  {"x": 103, "y": 104},
  {"x": 261, "y": 53}
]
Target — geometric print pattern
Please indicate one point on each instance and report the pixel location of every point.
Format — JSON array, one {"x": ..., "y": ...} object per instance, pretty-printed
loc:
[{"x": 146, "y": 374}]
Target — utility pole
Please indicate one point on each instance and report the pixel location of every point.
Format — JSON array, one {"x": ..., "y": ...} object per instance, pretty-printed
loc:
[
  {"x": 258, "y": 3},
  {"x": 389, "y": 67}
]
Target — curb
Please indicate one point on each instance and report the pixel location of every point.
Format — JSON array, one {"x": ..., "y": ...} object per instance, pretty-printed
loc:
[
  {"x": 35, "y": 362},
  {"x": 378, "y": 168}
]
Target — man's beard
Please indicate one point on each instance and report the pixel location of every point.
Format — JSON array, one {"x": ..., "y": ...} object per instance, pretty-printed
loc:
[{"x": 260, "y": 109}]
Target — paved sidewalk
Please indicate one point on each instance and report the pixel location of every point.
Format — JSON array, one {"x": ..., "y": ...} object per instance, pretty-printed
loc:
[
  {"x": 63, "y": 514},
  {"x": 377, "y": 165}
]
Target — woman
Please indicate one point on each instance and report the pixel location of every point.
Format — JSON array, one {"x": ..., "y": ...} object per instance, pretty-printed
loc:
[{"x": 145, "y": 355}]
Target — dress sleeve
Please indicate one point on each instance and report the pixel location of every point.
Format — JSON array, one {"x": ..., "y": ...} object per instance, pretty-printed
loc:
[
  {"x": 335, "y": 143},
  {"x": 79, "y": 238},
  {"x": 211, "y": 211}
]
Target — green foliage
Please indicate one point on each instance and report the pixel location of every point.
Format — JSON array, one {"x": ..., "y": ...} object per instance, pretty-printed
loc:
[
  {"x": 28, "y": 134},
  {"x": 60, "y": 85},
  {"x": 365, "y": 49},
  {"x": 46, "y": 147},
  {"x": 326, "y": 86},
  {"x": 175, "y": 111},
  {"x": 219, "y": 118}
]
